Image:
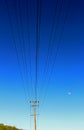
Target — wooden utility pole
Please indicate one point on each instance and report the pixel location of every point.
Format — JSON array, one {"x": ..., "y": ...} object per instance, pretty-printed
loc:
[{"x": 34, "y": 104}]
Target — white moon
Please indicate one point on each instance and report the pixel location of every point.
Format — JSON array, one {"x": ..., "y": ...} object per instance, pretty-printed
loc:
[{"x": 69, "y": 93}]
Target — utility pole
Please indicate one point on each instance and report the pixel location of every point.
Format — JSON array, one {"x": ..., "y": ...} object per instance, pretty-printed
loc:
[{"x": 34, "y": 104}]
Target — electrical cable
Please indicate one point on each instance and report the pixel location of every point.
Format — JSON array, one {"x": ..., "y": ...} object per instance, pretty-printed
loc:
[
  {"x": 23, "y": 43},
  {"x": 58, "y": 46},
  {"x": 50, "y": 41},
  {"x": 18, "y": 30},
  {"x": 37, "y": 47},
  {"x": 29, "y": 47},
  {"x": 16, "y": 50}
]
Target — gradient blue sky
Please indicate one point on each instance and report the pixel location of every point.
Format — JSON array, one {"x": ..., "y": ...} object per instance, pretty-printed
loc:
[{"x": 60, "y": 111}]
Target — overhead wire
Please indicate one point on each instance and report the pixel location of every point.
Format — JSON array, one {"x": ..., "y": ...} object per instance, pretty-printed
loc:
[
  {"x": 37, "y": 47},
  {"x": 39, "y": 22},
  {"x": 50, "y": 38},
  {"x": 23, "y": 44},
  {"x": 39, "y": 16},
  {"x": 29, "y": 46},
  {"x": 18, "y": 30},
  {"x": 58, "y": 47},
  {"x": 49, "y": 43},
  {"x": 39, "y": 31},
  {"x": 15, "y": 46}
]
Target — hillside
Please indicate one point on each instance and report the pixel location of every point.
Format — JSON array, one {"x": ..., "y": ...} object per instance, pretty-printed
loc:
[{"x": 5, "y": 127}]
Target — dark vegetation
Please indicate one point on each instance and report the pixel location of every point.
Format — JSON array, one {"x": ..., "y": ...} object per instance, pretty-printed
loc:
[{"x": 5, "y": 127}]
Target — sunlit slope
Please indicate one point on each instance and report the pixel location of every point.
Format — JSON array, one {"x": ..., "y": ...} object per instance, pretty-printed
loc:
[{"x": 4, "y": 127}]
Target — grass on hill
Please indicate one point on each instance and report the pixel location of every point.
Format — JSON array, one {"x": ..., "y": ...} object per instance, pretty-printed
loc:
[{"x": 5, "y": 127}]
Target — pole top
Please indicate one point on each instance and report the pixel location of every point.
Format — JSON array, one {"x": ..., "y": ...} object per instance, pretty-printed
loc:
[{"x": 34, "y": 101}]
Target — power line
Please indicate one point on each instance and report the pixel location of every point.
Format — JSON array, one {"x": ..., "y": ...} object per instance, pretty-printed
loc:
[
  {"x": 50, "y": 41},
  {"x": 14, "y": 42},
  {"x": 39, "y": 26},
  {"x": 29, "y": 47},
  {"x": 37, "y": 47},
  {"x": 18, "y": 30},
  {"x": 17, "y": 23},
  {"x": 40, "y": 16},
  {"x": 58, "y": 46},
  {"x": 23, "y": 41}
]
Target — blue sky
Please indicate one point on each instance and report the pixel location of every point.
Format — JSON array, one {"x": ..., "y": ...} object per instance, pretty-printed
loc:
[{"x": 60, "y": 87}]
